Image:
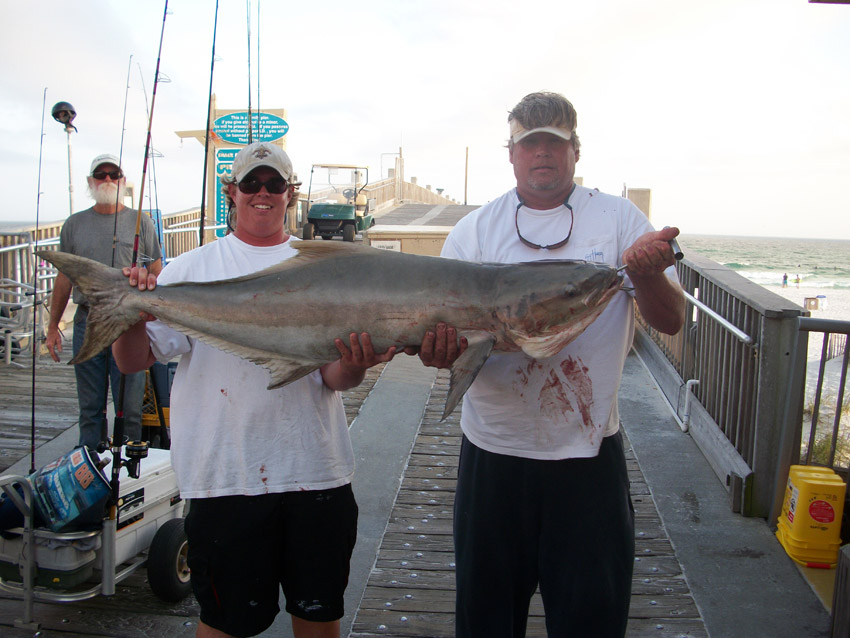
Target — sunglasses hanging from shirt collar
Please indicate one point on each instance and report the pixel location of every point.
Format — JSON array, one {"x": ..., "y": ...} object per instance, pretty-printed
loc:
[{"x": 531, "y": 244}]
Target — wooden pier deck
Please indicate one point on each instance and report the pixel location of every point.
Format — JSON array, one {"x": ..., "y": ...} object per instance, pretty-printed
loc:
[
  {"x": 410, "y": 591},
  {"x": 55, "y": 411}
]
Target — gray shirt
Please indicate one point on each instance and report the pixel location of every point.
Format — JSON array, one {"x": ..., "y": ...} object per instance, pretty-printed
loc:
[{"x": 90, "y": 234}]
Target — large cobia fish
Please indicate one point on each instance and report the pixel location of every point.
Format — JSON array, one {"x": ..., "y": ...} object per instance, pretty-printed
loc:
[{"x": 286, "y": 318}]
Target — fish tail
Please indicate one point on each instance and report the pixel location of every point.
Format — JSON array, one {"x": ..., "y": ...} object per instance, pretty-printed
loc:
[{"x": 107, "y": 293}]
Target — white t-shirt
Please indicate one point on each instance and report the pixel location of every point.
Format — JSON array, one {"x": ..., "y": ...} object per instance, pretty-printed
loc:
[
  {"x": 563, "y": 406},
  {"x": 230, "y": 435}
]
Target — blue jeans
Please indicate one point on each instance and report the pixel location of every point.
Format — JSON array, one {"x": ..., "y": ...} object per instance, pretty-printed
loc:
[{"x": 91, "y": 391}]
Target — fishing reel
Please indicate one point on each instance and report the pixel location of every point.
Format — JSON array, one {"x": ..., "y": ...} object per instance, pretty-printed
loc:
[{"x": 136, "y": 451}]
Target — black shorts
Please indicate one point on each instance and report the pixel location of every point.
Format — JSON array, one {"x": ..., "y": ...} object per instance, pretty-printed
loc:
[{"x": 243, "y": 548}]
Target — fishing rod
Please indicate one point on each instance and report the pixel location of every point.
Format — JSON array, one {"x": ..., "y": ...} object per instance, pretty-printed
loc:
[
  {"x": 35, "y": 303},
  {"x": 164, "y": 439},
  {"x": 229, "y": 216},
  {"x": 153, "y": 194},
  {"x": 208, "y": 135},
  {"x": 250, "y": 120},
  {"x": 148, "y": 141},
  {"x": 135, "y": 450},
  {"x": 120, "y": 161},
  {"x": 119, "y": 407},
  {"x": 259, "y": 111}
]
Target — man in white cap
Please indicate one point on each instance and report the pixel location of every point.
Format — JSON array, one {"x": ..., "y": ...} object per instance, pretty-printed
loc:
[
  {"x": 543, "y": 493},
  {"x": 90, "y": 233},
  {"x": 268, "y": 471}
]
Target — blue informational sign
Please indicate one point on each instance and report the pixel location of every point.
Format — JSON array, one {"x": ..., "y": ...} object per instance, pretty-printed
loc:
[
  {"x": 223, "y": 164},
  {"x": 265, "y": 127}
]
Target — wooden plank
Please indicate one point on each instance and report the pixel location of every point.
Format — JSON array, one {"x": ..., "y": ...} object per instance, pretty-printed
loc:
[{"x": 55, "y": 406}]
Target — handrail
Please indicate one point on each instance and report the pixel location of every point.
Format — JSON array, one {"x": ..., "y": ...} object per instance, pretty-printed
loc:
[
  {"x": 735, "y": 342},
  {"x": 186, "y": 229},
  {"x": 740, "y": 334}
]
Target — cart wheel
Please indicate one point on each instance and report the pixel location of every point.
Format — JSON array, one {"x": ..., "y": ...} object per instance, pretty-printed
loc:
[
  {"x": 168, "y": 571},
  {"x": 348, "y": 232},
  {"x": 309, "y": 231}
]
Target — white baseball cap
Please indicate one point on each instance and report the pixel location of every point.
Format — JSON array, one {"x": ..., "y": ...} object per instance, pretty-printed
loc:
[
  {"x": 106, "y": 158},
  {"x": 519, "y": 132},
  {"x": 261, "y": 154}
]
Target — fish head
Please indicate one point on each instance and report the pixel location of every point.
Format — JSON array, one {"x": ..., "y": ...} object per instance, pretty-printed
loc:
[{"x": 565, "y": 299}]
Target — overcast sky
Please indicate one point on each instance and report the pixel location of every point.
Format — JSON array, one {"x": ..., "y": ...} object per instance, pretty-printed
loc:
[{"x": 734, "y": 112}]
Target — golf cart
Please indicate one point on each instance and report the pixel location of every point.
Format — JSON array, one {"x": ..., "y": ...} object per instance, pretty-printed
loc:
[{"x": 336, "y": 203}]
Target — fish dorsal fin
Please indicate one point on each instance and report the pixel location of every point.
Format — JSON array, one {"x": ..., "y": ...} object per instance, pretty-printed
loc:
[
  {"x": 283, "y": 370},
  {"x": 308, "y": 252},
  {"x": 466, "y": 366}
]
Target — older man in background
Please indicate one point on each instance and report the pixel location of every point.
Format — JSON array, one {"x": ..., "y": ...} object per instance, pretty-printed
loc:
[{"x": 106, "y": 233}]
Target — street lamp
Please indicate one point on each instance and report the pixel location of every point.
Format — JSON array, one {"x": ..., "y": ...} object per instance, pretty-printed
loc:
[{"x": 64, "y": 113}]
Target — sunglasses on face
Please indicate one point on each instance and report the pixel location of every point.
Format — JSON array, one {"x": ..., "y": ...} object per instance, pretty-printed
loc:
[
  {"x": 274, "y": 186},
  {"x": 114, "y": 175}
]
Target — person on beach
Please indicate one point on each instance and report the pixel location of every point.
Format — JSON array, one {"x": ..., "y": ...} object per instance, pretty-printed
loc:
[
  {"x": 543, "y": 492},
  {"x": 268, "y": 472},
  {"x": 785, "y": 280},
  {"x": 90, "y": 233}
]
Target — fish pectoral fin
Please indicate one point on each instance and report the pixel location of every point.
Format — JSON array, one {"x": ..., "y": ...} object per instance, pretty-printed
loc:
[
  {"x": 466, "y": 367},
  {"x": 281, "y": 369},
  {"x": 542, "y": 347},
  {"x": 285, "y": 371},
  {"x": 548, "y": 345}
]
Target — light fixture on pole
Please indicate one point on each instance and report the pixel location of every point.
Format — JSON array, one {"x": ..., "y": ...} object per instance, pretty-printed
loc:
[{"x": 64, "y": 113}]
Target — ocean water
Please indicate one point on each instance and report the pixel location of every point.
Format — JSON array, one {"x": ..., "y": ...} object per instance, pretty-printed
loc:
[{"x": 820, "y": 263}]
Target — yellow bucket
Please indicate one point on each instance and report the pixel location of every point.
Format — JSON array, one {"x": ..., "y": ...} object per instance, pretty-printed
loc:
[{"x": 809, "y": 527}]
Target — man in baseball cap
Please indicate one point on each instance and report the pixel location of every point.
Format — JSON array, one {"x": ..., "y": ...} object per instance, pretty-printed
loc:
[
  {"x": 90, "y": 233},
  {"x": 259, "y": 155},
  {"x": 268, "y": 471},
  {"x": 553, "y": 458},
  {"x": 106, "y": 158}
]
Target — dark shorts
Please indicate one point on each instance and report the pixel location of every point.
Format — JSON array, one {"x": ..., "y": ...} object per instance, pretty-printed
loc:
[
  {"x": 567, "y": 526},
  {"x": 242, "y": 549}
]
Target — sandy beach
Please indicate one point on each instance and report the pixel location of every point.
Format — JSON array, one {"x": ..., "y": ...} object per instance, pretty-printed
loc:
[
  {"x": 837, "y": 300},
  {"x": 837, "y": 307}
]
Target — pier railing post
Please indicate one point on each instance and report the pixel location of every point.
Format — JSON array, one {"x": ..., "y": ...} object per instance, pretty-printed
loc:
[{"x": 775, "y": 355}]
